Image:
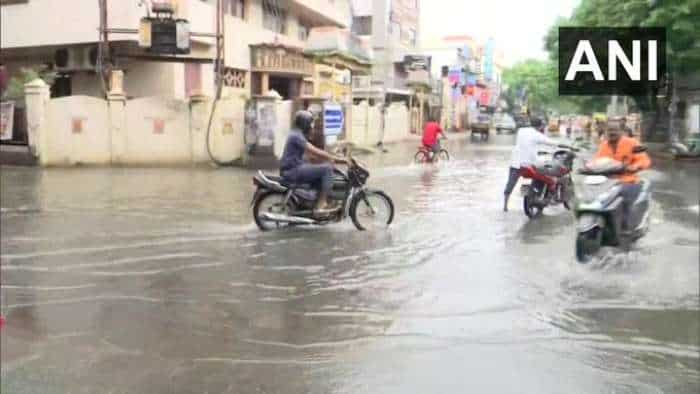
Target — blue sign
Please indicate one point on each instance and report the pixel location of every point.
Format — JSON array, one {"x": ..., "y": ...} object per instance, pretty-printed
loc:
[{"x": 333, "y": 119}]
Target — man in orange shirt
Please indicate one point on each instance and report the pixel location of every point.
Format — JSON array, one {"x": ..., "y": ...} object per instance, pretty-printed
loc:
[{"x": 621, "y": 148}]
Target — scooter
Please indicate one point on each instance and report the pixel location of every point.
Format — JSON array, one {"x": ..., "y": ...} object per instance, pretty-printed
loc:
[
  {"x": 599, "y": 210},
  {"x": 551, "y": 182},
  {"x": 278, "y": 204}
]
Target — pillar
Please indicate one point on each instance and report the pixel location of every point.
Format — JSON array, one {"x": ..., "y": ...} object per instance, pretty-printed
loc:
[
  {"x": 199, "y": 121},
  {"x": 37, "y": 95},
  {"x": 116, "y": 100},
  {"x": 265, "y": 83}
]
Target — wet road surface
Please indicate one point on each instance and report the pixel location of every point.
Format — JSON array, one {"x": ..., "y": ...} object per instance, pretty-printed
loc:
[{"x": 156, "y": 281}]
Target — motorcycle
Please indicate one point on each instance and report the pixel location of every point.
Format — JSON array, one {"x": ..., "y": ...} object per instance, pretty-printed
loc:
[
  {"x": 551, "y": 182},
  {"x": 278, "y": 204},
  {"x": 599, "y": 210}
]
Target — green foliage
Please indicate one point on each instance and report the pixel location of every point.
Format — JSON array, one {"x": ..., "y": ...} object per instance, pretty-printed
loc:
[
  {"x": 15, "y": 87},
  {"x": 681, "y": 18},
  {"x": 540, "y": 79}
]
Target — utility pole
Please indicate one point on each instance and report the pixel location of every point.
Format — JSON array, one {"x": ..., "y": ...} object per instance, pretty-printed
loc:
[
  {"x": 103, "y": 56},
  {"x": 220, "y": 49}
]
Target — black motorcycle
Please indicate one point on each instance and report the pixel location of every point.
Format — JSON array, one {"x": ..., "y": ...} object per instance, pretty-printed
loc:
[{"x": 278, "y": 204}]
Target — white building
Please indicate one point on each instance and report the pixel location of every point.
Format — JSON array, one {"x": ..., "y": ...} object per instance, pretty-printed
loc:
[
  {"x": 261, "y": 37},
  {"x": 393, "y": 30}
]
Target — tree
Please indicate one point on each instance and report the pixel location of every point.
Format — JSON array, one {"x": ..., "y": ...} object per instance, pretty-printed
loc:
[
  {"x": 680, "y": 17},
  {"x": 540, "y": 80}
]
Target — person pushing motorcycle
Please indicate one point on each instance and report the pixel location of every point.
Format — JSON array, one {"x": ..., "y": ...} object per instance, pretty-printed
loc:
[
  {"x": 620, "y": 147},
  {"x": 525, "y": 153},
  {"x": 294, "y": 169}
]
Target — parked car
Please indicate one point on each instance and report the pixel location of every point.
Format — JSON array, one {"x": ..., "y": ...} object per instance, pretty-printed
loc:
[
  {"x": 504, "y": 122},
  {"x": 482, "y": 126},
  {"x": 521, "y": 121}
]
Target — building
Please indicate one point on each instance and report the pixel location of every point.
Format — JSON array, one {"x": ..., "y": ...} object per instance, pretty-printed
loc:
[
  {"x": 471, "y": 73},
  {"x": 263, "y": 47},
  {"x": 338, "y": 56},
  {"x": 392, "y": 29}
]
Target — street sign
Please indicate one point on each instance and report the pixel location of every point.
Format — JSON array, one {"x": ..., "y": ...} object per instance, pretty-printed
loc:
[{"x": 333, "y": 120}]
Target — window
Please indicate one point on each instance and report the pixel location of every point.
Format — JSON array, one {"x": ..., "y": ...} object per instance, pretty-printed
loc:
[
  {"x": 395, "y": 29},
  {"x": 404, "y": 35},
  {"x": 304, "y": 29},
  {"x": 274, "y": 17},
  {"x": 412, "y": 36},
  {"x": 362, "y": 25},
  {"x": 235, "y": 8}
]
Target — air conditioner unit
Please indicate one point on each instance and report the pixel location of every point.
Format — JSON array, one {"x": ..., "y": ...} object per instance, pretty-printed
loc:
[{"x": 80, "y": 58}]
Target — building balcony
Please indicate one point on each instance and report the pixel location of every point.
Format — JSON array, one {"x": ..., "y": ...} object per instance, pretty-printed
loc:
[
  {"x": 341, "y": 43},
  {"x": 419, "y": 78},
  {"x": 323, "y": 12},
  {"x": 84, "y": 19}
]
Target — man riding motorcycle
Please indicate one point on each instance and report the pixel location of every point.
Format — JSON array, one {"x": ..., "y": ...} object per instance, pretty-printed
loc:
[
  {"x": 295, "y": 170},
  {"x": 620, "y": 147}
]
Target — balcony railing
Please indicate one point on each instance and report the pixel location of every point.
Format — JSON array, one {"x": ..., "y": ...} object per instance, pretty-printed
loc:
[
  {"x": 330, "y": 39},
  {"x": 324, "y": 12}
]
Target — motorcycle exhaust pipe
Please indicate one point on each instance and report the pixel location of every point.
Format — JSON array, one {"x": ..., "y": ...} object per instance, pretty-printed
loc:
[{"x": 285, "y": 218}]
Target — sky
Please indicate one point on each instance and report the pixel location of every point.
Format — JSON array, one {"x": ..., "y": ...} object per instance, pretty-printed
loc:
[{"x": 517, "y": 26}]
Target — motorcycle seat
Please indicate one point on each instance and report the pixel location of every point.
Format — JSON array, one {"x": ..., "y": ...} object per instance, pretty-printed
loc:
[
  {"x": 278, "y": 181},
  {"x": 274, "y": 178}
]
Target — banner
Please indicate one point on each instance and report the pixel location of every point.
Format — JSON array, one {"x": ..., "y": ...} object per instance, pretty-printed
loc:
[{"x": 7, "y": 117}]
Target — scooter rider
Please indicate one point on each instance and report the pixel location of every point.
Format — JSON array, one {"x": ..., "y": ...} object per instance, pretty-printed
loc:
[
  {"x": 294, "y": 169},
  {"x": 525, "y": 153},
  {"x": 620, "y": 147}
]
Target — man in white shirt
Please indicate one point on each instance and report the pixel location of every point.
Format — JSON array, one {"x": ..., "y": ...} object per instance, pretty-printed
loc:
[{"x": 525, "y": 153}]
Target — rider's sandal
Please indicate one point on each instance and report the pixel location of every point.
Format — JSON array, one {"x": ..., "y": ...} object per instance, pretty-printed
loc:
[{"x": 325, "y": 212}]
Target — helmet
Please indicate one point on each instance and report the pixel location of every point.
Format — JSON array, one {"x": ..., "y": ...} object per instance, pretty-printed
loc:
[{"x": 303, "y": 120}]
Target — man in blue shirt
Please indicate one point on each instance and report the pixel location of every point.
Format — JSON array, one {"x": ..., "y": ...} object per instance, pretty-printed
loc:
[{"x": 294, "y": 169}]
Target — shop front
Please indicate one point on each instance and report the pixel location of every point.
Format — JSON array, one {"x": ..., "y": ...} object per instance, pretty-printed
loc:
[{"x": 284, "y": 70}]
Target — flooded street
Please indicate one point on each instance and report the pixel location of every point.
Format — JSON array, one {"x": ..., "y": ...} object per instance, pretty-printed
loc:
[{"x": 157, "y": 281}]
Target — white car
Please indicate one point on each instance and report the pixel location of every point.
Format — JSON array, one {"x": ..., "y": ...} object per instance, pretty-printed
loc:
[{"x": 504, "y": 122}]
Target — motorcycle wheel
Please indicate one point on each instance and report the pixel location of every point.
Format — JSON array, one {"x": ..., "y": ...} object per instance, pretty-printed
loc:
[
  {"x": 371, "y": 210},
  {"x": 272, "y": 202},
  {"x": 421, "y": 157},
  {"x": 531, "y": 209},
  {"x": 588, "y": 244},
  {"x": 444, "y": 155}
]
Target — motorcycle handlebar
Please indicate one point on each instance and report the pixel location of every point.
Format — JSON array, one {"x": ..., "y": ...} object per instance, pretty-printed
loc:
[{"x": 568, "y": 147}]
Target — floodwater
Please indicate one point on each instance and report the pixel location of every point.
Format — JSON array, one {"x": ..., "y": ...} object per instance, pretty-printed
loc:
[{"x": 156, "y": 281}]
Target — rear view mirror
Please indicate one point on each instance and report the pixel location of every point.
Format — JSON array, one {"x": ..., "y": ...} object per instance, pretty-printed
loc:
[{"x": 640, "y": 149}]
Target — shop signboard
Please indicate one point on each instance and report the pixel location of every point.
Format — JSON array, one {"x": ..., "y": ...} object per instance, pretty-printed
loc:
[
  {"x": 417, "y": 62},
  {"x": 333, "y": 121}
]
